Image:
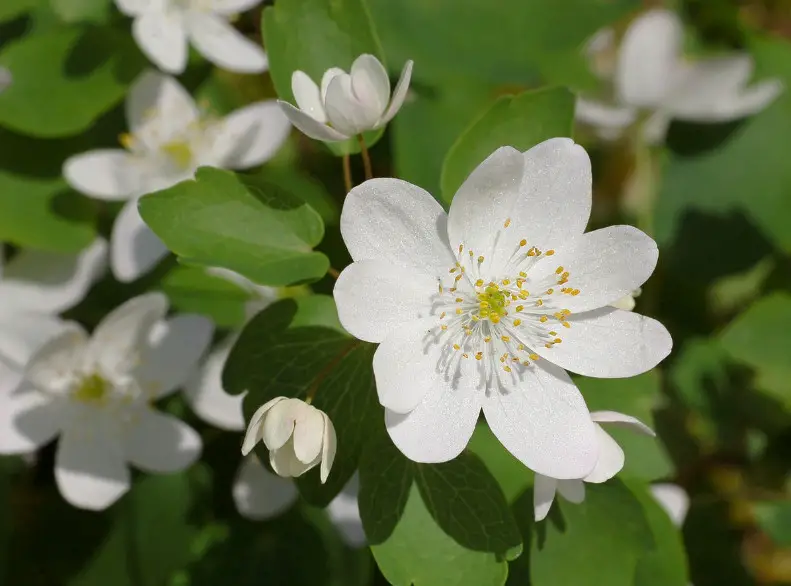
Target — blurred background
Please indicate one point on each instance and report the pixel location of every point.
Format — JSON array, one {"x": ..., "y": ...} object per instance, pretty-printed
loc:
[{"x": 715, "y": 195}]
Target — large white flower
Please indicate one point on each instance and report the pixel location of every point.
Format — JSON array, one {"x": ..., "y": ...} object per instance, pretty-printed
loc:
[
  {"x": 347, "y": 104},
  {"x": 164, "y": 28},
  {"x": 611, "y": 461},
  {"x": 169, "y": 139},
  {"x": 484, "y": 307},
  {"x": 34, "y": 288},
  {"x": 652, "y": 77},
  {"x": 95, "y": 393}
]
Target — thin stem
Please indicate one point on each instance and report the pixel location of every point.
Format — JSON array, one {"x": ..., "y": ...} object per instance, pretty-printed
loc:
[
  {"x": 333, "y": 272},
  {"x": 366, "y": 157},
  {"x": 347, "y": 173}
]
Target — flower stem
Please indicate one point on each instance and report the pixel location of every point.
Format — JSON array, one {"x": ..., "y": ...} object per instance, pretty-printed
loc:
[
  {"x": 366, "y": 157},
  {"x": 347, "y": 173},
  {"x": 333, "y": 272}
]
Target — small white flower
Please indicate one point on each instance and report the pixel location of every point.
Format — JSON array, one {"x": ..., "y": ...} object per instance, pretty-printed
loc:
[
  {"x": 673, "y": 499},
  {"x": 169, "y": 139},
  {"x": 652, "y": 77},
  {"x": 164, "y": 28},
  {"x": 35, "y": 287},
  {"x": 611, "y": 460},
  {"x": 347, "y": 104},
  {"x": 484, "y": 307},
  {"x": 95, "y": 393},
  {"x": 627, "y": 302},
  {"x": 297, "y": 435}
]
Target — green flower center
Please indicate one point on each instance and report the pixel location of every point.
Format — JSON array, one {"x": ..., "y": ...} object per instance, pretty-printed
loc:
[
  {"x": 93, "y": 389},
  {"x": 179, "y": 152}
]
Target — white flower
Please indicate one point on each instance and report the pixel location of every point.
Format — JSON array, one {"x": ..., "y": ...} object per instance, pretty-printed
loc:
[
  {"x": 169, "y": 139},
  {"x": 297, "y": 435},
  {"x": 473, "y": 309},
  {"x": 611, "y": 460},
  {"x": 163, "y": 29},
  {"x": 673, "y": 499},
  {"x": 627, "y": 302},
  {"x": 651, "y": 76},
  {"x": 5, "y": 78},
  {"x": 347, "y": 104},
  {"x": 96, "y": 394},
  {"x": 34, "y": 288}
]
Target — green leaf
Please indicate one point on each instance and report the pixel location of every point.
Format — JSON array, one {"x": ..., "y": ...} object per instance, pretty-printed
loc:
[
  {"x": 468, "y": 504},
  {"x": 419, "y": 553},
  {"x": 638, "y": 396},
  {"x": 228, "y": 220},
  {"x": 44, "y": 214},
  {"x": 313, "y": 36},
  {"x": 512, "y": 476},
  {"x": 774, "y": 518},
  {"x": 65, "y": 80},
  {"x": 71, "y": 11},
  {"x": 298, "y": 185},
  {"x": 12, "y": 8},
  {"x": 760, "y": 338},
  {"x": 193, "y": 290},
  {"x": 666, "y": 565},
  {"x": 318, "y": 361},
  {"x": 520, "y": 121},
  {"x": 151, "y": 535},
  {"x": 597, "y": 542}
]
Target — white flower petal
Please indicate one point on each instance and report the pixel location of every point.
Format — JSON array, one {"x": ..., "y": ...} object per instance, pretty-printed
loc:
[
  {"x": 308, "y": 436},
  {"x": 50, "y": 367},
  {"x": 161, "y": 102},
  {"x": 223, "y": 45},
  {"x": 344, "y": 512},
  {"x": 649, "y": 58},
  {"x": 206, "y": 396},
  {"x": 23, "y": 333},
  {"x": 255, "y": 431},
  {"x": 344, "y": 111},
  {"x": 259, "y": 494},
  {"x": 655, "y": 127},
  {"x": 622, "y": 420},
  {"x": 231, "y": 7},
  {"x": 134, "y": 248},
  {"x": 279, "y": 423},
  {"x": 308, "y": 126},
  {"x": 108, "y": 174},
  {"x": 374, "y": 298},
  {"x": 604, "y": 265},
  {"x": 673, "y": 499},
  {"x": 328, "y": 76},
  {"x": 134, "y": 7},
  {"x": 484, "y": 202},
  {"x": 329, "y": 446},
  {"x": 161, "y": 36},
  {"x": 603, "y": 116},
  {"x": 285, "y": 463},
  {"x": 250, "y": 136},
  {"x": 90, "y": 470},
  {"x": 399, "y": 94},
  {"x": 544, "y": 489},
  {"x": 307, "y": 95},
  {"x": 609, "y": 343},
  {"x": 545, "y": 423},
  {"x": 408, "y": 347},
  {"x": 395, "y": 221},
  {"x": 440, "y": 427},
  {"x": 28, "y": 420},
  {"x": 174, "y": 348},
  {"x": 573, "y": 490},
  {"x": 120, "y": 339},
  {"x": 370, "y": 83},
  {"x": 611, "y": 458},
  {"x": 49, "y": 282},
  {"x": 161, "y": 443},
  {"x": 626, "y": 303}
]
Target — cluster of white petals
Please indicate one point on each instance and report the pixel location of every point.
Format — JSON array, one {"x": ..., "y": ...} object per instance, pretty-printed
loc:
[
  {"x": 346, "y": 104},
  {"x": 611, "y": 461},
  {"x": 163, "y": 29},
  {"x": 483, "y": 308},
  {"x": 95, "y": 394},
  {"x": 652, "y": 78},
  {"x": 169, "y": 138}
]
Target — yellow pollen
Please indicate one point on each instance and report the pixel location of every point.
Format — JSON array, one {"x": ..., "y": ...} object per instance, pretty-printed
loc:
[
  {"x": 521, "y": 347},
  {"x": 440, "y": 288},
  {"x": 506, "y": 281},
  {"x": 565, "y": 324},
  {"x": 507, "y": 223},
  {"x": 126, "y": 140},
  {"x": 548, "y": 345},
  {"x": 550, "y": 291},
  {"x": 543, "y": 319},
  {"x": 453, "y": 270},
  {"x": 534, "y": 356},
  {"x": 533, "y": 251},
  {"x": 505, "y": 338},
  {"x": 495, "y": 319},
  {"x": 526, "y": 363},
  {"x": 557, "y": 340},
  {"x": 523, "y": 242},
  {"x": 479, "y": 283},
  {"x": 461, "y": 247},
  {"x": 480, "y": 259},
  {"x": 478, "y": 355},
  {"x": 507, "y": 368},
  {"x": 458, "y": 278},
  {"x": 443, "y": 328},
  {"x": 539, "y": 303},
  {"x": 575, "y": 292},
  {"x": 559, "y": 270},
  {"x": 550, "y": 252},
  {"x": 522, "y": 274},
  {"x": 553, "y": 333},
  {"x": 442, "y": 315},
  {"x": 517, "y": 322},
  {"x": 459, "y": 311},
  {"x": 524, "y": 294},
  {"x": 519, "y": 308},
  {"x": 487, "y": 339},
  {"x": 465, "y": 355},
  {"x": 459, "y": 299},
  {"x": 456, "y": 347}
]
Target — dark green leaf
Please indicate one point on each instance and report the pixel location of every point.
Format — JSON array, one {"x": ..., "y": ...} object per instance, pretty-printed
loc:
[
  {"x": 520, "y": 121},
  {"x": 512, "y": 476},
  {"x": 222, "y": 219},
  {"x": 775, "y": 520},
  {"x": 300, "y": 186}
]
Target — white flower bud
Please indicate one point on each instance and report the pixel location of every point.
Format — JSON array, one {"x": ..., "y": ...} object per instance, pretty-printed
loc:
[{"x": 297, "y": 435}]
